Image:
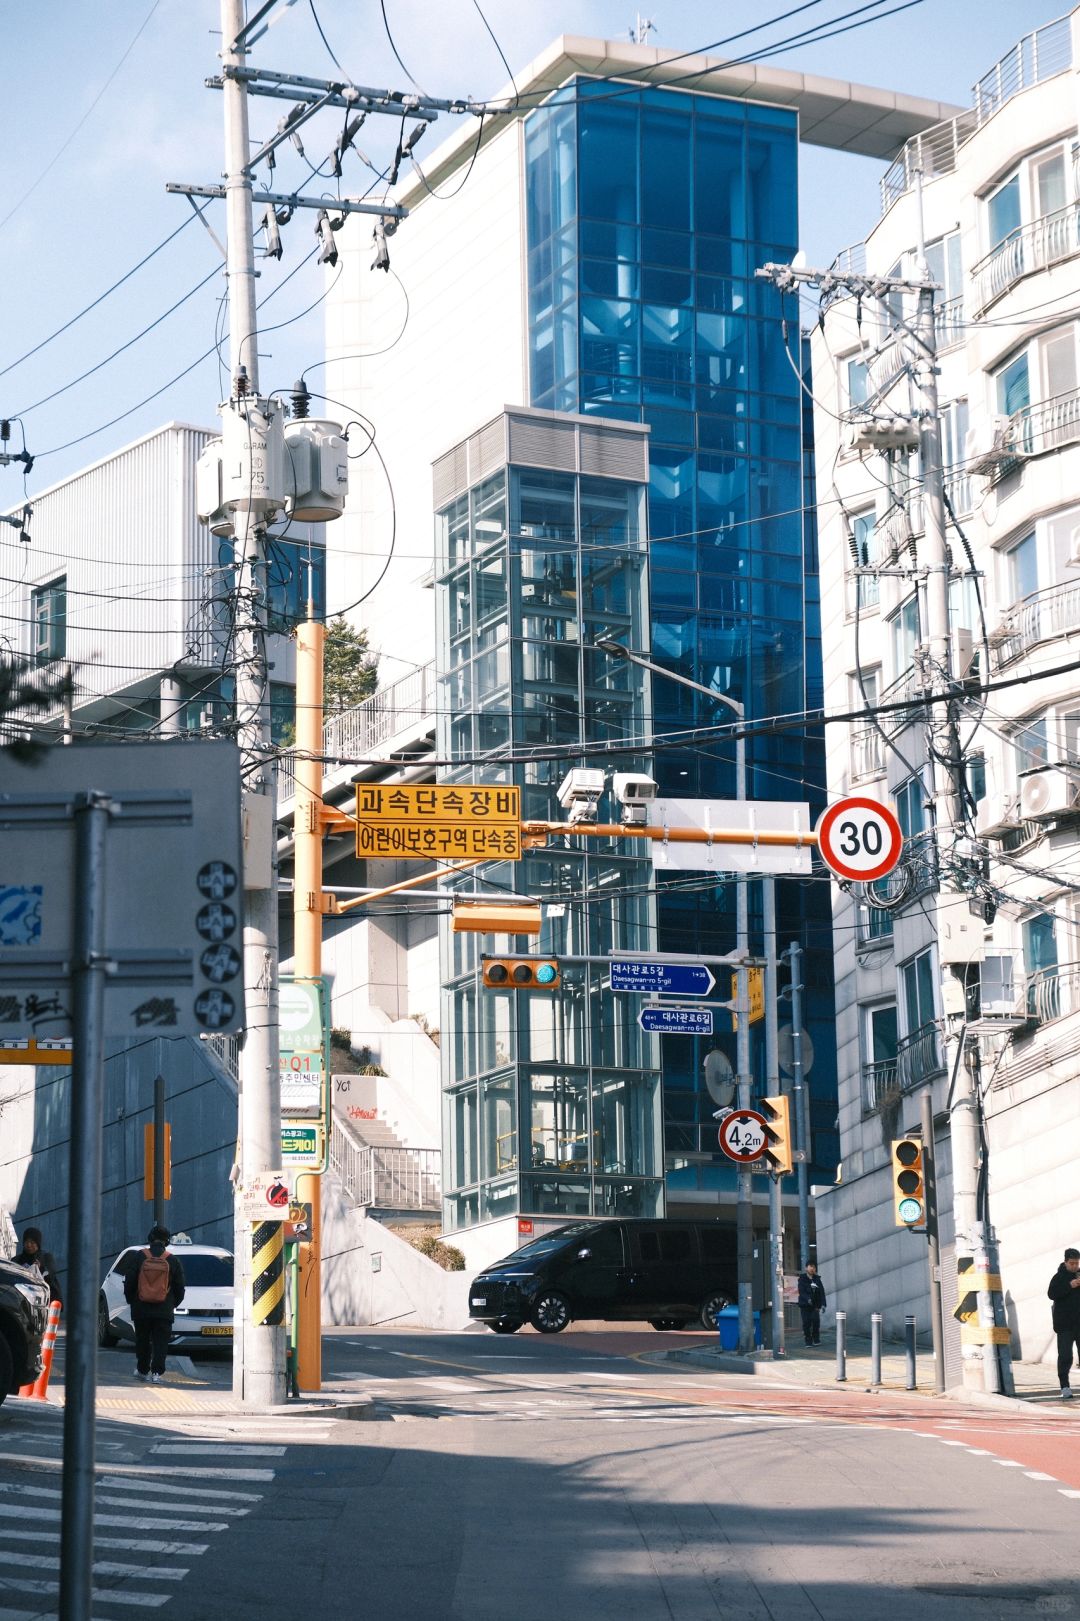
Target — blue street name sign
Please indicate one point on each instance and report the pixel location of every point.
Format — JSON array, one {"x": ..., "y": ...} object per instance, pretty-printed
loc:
[
  {"x": 677, "y": 1021},
  {"x": 661, "y": 978}
]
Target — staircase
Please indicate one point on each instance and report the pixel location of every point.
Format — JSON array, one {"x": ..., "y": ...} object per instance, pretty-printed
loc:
[{"x": 378, "y": 1172}]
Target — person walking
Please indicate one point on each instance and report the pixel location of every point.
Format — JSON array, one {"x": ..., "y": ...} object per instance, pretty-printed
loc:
[
  {"x": 33, "y": 1253},
  {"x": 811, "y": 1303},
  {"x": 1064, "y": 1291},
  {"x": 153, "y": 1288}
]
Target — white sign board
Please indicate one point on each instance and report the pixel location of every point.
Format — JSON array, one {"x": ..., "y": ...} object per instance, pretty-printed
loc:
[
  {"x": 173, "y": 884},
  {"x": 762, "y": 815},
  {"x": 301, "y": 1058},
  {"x": 265, "y": 1197}
]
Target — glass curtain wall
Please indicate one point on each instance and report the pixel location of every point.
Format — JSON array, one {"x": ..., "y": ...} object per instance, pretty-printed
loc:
[
  {"x": 552, "y": 1101},
  {"x": 647, "y": 213}
]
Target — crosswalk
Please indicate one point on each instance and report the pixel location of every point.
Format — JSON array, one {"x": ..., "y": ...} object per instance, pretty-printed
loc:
[
  {"x": 159, "y": 1508},
  {"x": 554, "y": 1400}
]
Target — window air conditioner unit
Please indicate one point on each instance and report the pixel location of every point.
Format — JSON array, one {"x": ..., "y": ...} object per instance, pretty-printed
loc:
[
  {"x": 994, "y": 815},
  {"x": 1047, "y": 794},
  {"x": 988, "y": 443}
]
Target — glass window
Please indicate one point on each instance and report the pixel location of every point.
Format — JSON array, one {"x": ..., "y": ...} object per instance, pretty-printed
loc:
[
  {"x": 49, "y": 613},
  {"x": 607, "y": 172},
  {"x": 905, "y": 636},
  {"x": 918, "y": 981},
  {"x": 1049, "y": 185},
  {"x": 1003, "y": 212},
  {"x": 1040, "y": 944},
  {"x": 881, "y": 1033},
  {"x": 1014, "y": 386},
  {"x": 606, "y": 1245},
  {"x": 1032, "y": 745},
  {"x": 665, "y": 169},
  {"x": 944, "y": 263},
  {"x": 1022, "y": 568},
  {"x": 287, "y": 580},
  {"x": 910, "y": 801},
  {"x": 1058, "y": 353},
  {"x": 864, "y": 538},
  {"x": 857, "y": 382}
]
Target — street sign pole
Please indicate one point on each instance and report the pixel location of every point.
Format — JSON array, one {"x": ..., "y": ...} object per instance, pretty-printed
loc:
[{"x": 89, "y": 968}]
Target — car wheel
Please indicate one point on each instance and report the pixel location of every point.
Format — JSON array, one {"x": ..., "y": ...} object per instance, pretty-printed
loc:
[
  {"x": 504, "y": 1327},
  {"x": 711, "y": 1307},
  {"x": 105, "y": 1336},
  {"x": 665, "y": 1323},
  {"x": 7, "y": 1368},
  {"x": 551, "y": 1312}
]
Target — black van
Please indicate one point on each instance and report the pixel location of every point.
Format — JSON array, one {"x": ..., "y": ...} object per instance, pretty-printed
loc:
[{"x": 667, "y": 1273}]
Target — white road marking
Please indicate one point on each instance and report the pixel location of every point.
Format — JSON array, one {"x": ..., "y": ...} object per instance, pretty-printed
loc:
[
  {"x": 103, "y": 1496},
  {"x": 109, "y": 1595},
  {"x": 198, "y": 1474},
  {"x": 1066, "y": 1492},
  {"x": 454, "y": 1385},
  {"x": 1008, "y": 1463},
  {"x": 980, "y": 1452},
  {"x": 124, "y": 1521},
  {"x": 214, "y": 1449},
  {"x": 114, "y": 1483},
  {"x": 131, "y": 1544},
  {"x": 101, "y": 1567},
  {"x": 1037, "y": 1474}
]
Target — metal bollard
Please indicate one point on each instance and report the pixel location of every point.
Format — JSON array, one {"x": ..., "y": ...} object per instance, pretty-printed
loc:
[
  {"x": 875, "y": 1348},
  {"x": 909, "y": 1349},
  {"x": 841, "y": 1346}
]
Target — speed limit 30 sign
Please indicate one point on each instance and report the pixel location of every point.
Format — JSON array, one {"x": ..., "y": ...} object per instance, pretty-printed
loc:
[{"x": 859, "y": 839}]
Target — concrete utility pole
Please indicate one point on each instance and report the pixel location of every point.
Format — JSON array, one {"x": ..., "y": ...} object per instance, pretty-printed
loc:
[
  {"x": 800, "y": 1101},
  {"x": 259, "y": 1351},
  {"x": 985, "y": 1343}
]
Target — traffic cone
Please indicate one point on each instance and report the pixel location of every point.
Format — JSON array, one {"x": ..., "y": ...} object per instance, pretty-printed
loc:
[{"x": 48, "y": 1346}]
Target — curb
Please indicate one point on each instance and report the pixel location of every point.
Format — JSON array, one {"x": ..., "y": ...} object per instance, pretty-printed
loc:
[{"x": 1025, "y": 1406}]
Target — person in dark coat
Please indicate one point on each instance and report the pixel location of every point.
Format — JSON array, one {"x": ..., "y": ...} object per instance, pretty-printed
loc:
[
  {"x": 811, "y": 1303},
  {"x": 153, "y": 1288},
  {"x": 1064, "y": 1291},
  {"x": 33, "y": 1253}
]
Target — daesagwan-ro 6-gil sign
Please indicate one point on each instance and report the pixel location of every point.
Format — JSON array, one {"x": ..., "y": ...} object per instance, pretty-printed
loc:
[{"x": 859, "y": 839}]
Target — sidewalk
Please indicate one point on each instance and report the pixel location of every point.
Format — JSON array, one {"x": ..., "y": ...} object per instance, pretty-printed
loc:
[{"x": 815, "y": 1367}]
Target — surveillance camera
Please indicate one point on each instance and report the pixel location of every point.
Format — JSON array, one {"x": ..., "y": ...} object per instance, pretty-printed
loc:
[
  {"x": 632, "y": 787},
  {"x": 580, "y": 792}
]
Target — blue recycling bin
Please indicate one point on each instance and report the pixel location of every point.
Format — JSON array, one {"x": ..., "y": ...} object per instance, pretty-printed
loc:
[{"x": 728, "y": 1324}]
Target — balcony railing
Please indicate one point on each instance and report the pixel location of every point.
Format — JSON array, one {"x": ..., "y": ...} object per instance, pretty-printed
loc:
[
  {"x": 1030, "y": 248},
  {"x": 357, "y": 732},
  {"x": 949, "y": 323},
  {"x": 920, "y": 858},
  {"x": 1037, "y": 57},
  {"x": 879, "y": 1080},
  {"x": 1053, "y": 993},
  {"x": 918, "y": 1056},
  {"x": 384, "y": 1177},
  {"x": 1042, "y": 617},
  {"x": 1044, "y": 427},
  {"x": 867, "y": 752}
]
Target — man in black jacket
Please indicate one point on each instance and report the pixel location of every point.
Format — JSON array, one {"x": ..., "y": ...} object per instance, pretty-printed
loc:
[
  {"x": 811, "y": 1303},
  {"x": 153, "y": 1288},
  {"x": 1064, "y": 1291},
  {"x": 34, "y": 1254}
]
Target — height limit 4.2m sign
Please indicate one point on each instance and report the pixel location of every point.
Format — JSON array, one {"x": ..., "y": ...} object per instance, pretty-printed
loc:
[{"x": 859, "y": 839}]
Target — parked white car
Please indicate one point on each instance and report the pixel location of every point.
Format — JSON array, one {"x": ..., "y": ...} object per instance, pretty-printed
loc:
[{"x": 206, "y": 1316}]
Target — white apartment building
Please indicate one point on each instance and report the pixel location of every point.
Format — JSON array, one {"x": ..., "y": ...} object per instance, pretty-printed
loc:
[{"x": 994, "y": 195}]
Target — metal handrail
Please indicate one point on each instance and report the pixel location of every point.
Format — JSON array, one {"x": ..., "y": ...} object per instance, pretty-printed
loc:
[
  {"x": 355, "y": 732},
  {"x": 918, "y": 1056},
  {"x": 1053, "y": 993},
  {"x": 391, "y": 1178},
  {"x": 1036, "y": 57},
  {"x": 867, "y": 752},
  {"x": 1036, "y": 429},
  {"x": 1032, "y": 247},
  {"x": 1040, "y": 617},
  {"x": 878, "y": 1079}
]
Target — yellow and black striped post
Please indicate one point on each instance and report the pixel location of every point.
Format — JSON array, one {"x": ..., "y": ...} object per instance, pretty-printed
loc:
[{"x": 267, "y": 1274}]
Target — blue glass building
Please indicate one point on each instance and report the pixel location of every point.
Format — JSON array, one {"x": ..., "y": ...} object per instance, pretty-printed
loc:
[{"x": 647, "y": 213}]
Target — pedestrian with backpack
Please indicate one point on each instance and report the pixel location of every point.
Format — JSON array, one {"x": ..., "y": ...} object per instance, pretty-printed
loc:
[{"x": 153, "y": 1288}]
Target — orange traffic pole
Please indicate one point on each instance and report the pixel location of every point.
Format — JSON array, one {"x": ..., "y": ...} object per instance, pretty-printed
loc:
[{"x": 48, "y": 1346}]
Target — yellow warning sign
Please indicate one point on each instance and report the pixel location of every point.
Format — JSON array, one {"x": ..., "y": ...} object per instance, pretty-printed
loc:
[
  {"x": 438, "y": 822},
  {"x": 756, "y": 983}
]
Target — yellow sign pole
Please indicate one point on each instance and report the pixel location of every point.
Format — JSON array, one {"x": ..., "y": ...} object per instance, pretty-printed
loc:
[{"x": 307, "y": 957}]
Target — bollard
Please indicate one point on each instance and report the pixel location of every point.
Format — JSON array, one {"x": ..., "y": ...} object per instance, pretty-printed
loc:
[
  {"x": 841, "y": 1347},
  {"x": 36, "y": 1391},
  {"x": 909, "y": 1349},
  {"x": 875, "y": 1348}
]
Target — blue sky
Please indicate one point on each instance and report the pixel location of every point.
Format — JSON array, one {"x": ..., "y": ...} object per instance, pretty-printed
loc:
[{"x": 101, "y": 205}]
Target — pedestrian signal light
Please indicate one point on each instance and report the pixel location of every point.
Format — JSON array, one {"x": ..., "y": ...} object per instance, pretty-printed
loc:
[
  {"x": 777, "y": 1112},
  {"x": 521, "y": 973},
  {"x": 909, "y": 1191}
]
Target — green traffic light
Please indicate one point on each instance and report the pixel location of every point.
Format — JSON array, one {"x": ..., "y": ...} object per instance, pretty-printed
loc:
[
  {"x": 545, "y": 973},
  {"x": 909, "y": 1210}
]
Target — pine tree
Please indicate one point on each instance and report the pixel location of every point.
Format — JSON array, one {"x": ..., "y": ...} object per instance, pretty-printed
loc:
[{"x": 350, "y": 671}]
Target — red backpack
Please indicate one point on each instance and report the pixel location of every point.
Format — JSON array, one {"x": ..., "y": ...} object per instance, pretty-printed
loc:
[{"x": 153, "y": 1286}]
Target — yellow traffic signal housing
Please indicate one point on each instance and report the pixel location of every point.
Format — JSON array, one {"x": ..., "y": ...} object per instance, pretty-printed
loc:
[
  {"x": 777, "y": 1112},
  {"x": 497, "y": 917},
  {"x": 909, "y": 1187},
  {"x": 521, "y": 973}
]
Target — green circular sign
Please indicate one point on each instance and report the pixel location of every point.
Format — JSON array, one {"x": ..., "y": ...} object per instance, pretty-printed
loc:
[{"x": 909, "y": 1210}]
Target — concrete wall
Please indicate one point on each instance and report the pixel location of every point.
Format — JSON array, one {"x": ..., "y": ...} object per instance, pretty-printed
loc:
[
  {"x": 200, "y": 1106},
  {"x": 371, "y": 1276}
]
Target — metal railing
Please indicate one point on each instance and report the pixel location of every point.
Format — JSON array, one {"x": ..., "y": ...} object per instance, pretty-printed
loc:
[
  {"x": 1053, "y": 993},
  {"x": 384, "y": 1177},
  {"x": 1036, "y": 246},
  {"x": 356, "y": 732},
  {"x": 1037, "y": 57},
  {"x": 226, "y": 1050},
  {"x": 1041, "y": 617},
  {"x": 949, "y": 323},
  {"x": 918, "y": 1056},
  {"x": 1036, "y": 429},
  {"x": 867, "y": 752},
  {"x": 920, "y": 859},
  {"x": 879, "y": 1080}
]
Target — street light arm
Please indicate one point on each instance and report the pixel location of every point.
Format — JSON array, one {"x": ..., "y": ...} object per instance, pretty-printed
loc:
[{"x": 616, "y": 648}]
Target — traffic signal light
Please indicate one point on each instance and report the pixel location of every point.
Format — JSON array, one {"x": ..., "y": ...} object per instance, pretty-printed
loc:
[
  {"x": 777, "y": 1112},
  {"x": 521, "y": 973},
  {"x": 909, "y": 1189}
]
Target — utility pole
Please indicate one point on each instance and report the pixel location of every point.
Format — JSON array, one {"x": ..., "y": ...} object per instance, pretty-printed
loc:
[
  {"x": 247, "y": 426},
  {"x": 800, "y": 1101},
  {"x": 985, "y": 1344},
  {"x": 773, "y": 1086},
  {"x": 307, "y": 950}
]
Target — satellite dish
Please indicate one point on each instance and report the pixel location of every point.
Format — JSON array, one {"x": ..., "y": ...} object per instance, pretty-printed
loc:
[
  {"x": 785, "y": 1051},
  {"x": 720, "y": 1078}
]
